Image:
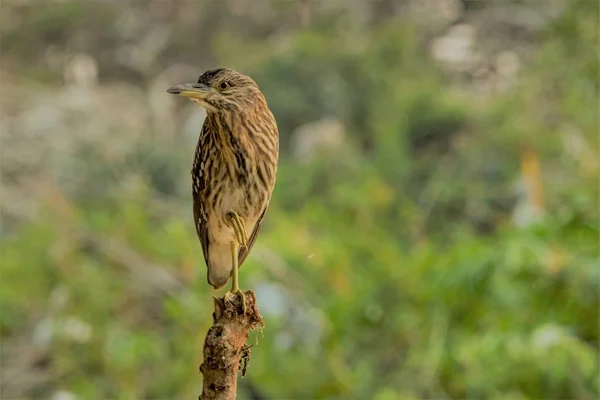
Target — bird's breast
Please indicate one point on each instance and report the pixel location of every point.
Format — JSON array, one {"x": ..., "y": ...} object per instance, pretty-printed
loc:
[
  {"x": 234, "y": 184},
  {"x": 234, "y": 197},
  {"x": 240, "y": 174}
]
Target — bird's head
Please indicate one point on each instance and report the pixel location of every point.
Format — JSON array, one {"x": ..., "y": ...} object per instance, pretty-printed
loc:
[{"x": 221, "y": 90}]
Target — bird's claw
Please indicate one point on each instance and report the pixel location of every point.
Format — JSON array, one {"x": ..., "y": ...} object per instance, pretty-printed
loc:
[{"x": 242, "y": 297}]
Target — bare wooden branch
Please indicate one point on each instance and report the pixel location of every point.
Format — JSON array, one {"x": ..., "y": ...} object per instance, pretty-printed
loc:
[{"x": 225, "y": 349}]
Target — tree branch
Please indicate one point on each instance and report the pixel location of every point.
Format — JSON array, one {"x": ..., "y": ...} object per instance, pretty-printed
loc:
[{"x": 224, "y": 347}]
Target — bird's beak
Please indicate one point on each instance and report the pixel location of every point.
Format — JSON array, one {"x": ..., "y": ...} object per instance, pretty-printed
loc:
[{"x": 198, "y": 90}]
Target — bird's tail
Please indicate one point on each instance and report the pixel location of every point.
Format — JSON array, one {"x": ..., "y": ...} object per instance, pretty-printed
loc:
[{"x": 219, "y": 265}]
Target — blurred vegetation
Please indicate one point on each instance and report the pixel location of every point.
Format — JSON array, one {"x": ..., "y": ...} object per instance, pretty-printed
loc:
[{"x": 445, "y": 247}]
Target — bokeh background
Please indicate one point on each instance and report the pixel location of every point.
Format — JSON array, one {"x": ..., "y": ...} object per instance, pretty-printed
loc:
[{"x": 434, "y": 229}]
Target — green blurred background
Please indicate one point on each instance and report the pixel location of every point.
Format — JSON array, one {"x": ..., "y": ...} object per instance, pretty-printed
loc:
[{"x": 433, "y": 232}]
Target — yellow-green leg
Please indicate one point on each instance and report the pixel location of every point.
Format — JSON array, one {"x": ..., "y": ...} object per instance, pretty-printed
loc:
[{"x": 241, "y": 239}]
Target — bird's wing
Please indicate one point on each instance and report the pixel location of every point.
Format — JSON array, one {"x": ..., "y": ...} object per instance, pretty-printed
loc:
[
  {"x": 201, "y": 228},
  {"x": 198, "y": 185},
  {"x": 244, "y": 251}
]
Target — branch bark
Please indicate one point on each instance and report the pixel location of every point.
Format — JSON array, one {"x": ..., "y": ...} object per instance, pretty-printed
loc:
[{"x": 224, "y": 346}]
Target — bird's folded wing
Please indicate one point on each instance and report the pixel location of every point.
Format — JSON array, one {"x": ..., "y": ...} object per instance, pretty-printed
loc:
[
  {"x": 198, "y": 185},
  {"x": 201, "y": 228},
  {"x": 245, "y": 250}
]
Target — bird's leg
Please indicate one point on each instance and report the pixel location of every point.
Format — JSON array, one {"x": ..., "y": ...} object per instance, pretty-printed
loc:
[
  {"x": 241, "y": 239},
  {"x": 235, "y": 286}
]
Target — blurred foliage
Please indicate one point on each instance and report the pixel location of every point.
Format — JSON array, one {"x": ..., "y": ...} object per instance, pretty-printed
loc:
[{"x": 396, "y": 265}]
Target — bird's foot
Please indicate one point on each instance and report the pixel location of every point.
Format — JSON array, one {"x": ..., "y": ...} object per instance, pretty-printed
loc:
[
  {"x": 239, "y": 228},
  {"x": 234, "y": 292}
]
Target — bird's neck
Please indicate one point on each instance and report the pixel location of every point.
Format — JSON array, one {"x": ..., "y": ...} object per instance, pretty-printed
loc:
[
  {"x": 222, "y": 123},
  {"x": 243, "y": 124}
]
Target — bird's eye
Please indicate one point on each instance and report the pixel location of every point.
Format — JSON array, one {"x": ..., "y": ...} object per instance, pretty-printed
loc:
[{"x": 224, "y": 85}]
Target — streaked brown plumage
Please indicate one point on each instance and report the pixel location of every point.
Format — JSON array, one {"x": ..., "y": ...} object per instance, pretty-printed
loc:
[{"x": 234, "y": 169}]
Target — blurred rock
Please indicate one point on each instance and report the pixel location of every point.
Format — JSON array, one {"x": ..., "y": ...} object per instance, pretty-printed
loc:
[
  {"x": 507, "y": 63},
  {"x": 547, "y": 335},
  {"x": 43, "y": 332},
  {"x": 82, "y": 70},
  {"x": 63, "y": 395},
  {"x": 77, "y": 330},
  {"x": 456, "y": 47},
  {"x": 308, "y": 139}
]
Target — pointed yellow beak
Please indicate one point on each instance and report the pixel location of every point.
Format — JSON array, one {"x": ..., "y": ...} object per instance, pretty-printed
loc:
[{"x": 198, "y": 90}]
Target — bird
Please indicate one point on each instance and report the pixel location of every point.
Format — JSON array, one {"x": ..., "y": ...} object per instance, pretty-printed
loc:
[{"x": 233, "y": 171}]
